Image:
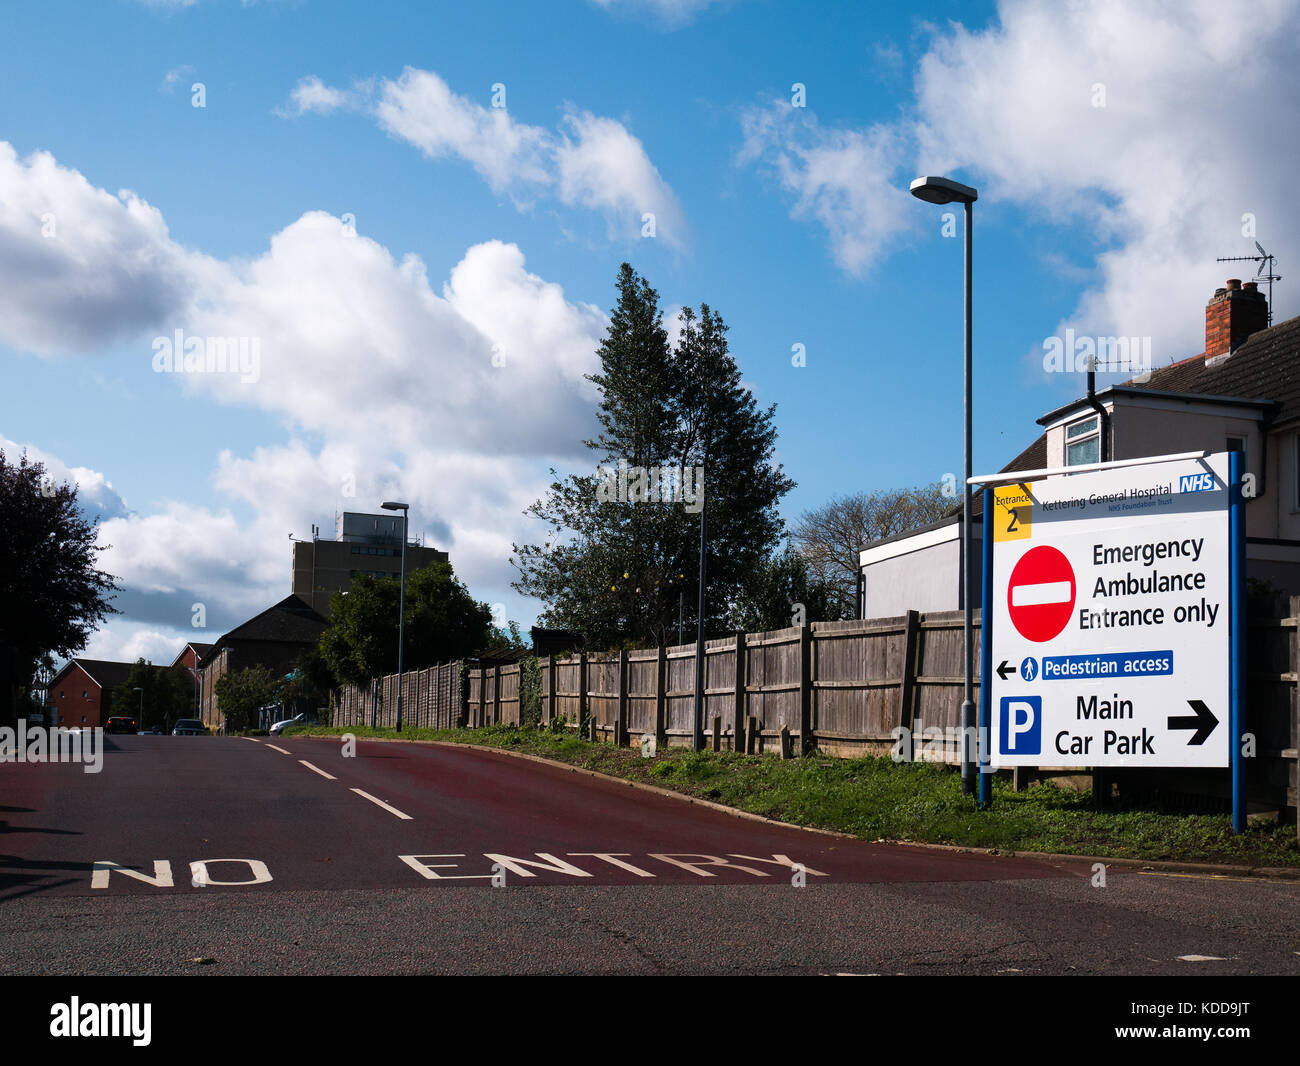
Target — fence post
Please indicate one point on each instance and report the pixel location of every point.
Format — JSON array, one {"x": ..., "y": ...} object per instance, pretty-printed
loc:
[
  {"x": 550, "y": 690},
  {"x": 496, "y": 694},
  {"x": 1293, "y": 665},
  {"x": 907, "y": 686},
  {"x": 584, "y": 706},
  {"x": 738, "y": 735},
  {"x": 620, "y": 722},
  {"x": 805, "y": 689},
  {"x": 661, "y": 697}
]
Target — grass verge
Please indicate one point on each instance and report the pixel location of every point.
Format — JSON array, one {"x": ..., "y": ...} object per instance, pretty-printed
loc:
[{"x": 878, "y": 799}]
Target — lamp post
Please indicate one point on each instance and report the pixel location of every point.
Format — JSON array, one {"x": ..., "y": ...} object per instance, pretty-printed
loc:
[
  {"x": 946, "y": 191},
  {"x": 401, "y": 609},
  {"x": 140, "y": 724}
]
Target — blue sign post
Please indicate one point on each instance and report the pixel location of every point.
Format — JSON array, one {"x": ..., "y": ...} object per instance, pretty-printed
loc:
[
  {"x": 984, "y": 794},
  {"x": 1237, "y": 683}
]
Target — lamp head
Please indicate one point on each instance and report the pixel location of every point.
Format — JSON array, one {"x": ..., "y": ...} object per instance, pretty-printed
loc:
[{"x": 935, "y": 190}]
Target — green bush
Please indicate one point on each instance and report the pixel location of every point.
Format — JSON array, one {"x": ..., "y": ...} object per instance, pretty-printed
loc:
[{"x": 530, "y": 693}]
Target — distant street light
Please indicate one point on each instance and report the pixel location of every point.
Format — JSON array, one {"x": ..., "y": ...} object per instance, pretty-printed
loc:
[
  {"x": 946, "y": 191},
  {"x": 401, "y": 609}
]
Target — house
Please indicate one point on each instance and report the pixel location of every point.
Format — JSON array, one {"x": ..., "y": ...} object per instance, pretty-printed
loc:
[
  {"x": 276, "y": 638},
  {"x": 368, "y": 544},
  {"x": 188, "y": 658},
  {"x": 1241, "y": 394},
  {"x": 80, "y": 691}
]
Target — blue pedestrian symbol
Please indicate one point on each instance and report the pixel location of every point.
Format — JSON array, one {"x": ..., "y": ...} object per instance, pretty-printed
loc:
[{"x": 1029, "y": 668}]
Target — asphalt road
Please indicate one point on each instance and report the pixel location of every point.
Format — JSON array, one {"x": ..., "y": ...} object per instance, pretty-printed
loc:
[{"x": 223, "y": 855}]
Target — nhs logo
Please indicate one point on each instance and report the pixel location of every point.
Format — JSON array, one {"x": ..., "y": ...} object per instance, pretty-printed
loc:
[
  {"x": 1196, "y": 483},
  {"x": 1020, "y": 725}
]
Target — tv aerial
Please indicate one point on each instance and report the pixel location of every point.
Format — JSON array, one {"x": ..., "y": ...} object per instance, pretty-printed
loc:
[{"x": 1264, "y": 260}]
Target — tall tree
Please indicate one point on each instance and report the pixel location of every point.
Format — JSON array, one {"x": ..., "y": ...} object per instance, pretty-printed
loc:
[
  {"x": 830, "y": 537},
  {"x": 443, "y": 622},
  {"x": 168, "y": 693},
  {"x": 241, "y": 694},
  {"x": 783, "y": 595},
  {"x": 616, "y": 566},
  {"x": 52, "y": 595}
]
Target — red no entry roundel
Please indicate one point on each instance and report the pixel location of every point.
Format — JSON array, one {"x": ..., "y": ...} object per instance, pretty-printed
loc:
[{"x": 1040, "y": 594}]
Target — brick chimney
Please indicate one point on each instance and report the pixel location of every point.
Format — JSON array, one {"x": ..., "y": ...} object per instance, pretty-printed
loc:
[{"x": 1232, "y": 315}]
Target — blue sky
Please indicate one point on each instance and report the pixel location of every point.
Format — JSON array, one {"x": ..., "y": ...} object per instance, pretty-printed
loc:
[{"x": 426, "y": 274}]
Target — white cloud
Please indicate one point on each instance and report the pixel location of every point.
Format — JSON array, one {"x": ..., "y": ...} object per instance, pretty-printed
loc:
[
  {"x": 420, "y": 108},
  {"x": 80, "y": 268},
  {"x": 847, "y": 180},
  {"x": 125, "y": 642},
  {"x": 313, "y": 95},
  {"x": 351, "y": 339},
  {"x": 590, "y": 162},
  {"x": 1187, "y": 142},
  {"x": 95, "y": 493},
  {"x": 173, "y": 77},
  {"x": 455, "y": 397},
  {"x": 602, "y": 165},
  {"x": 1192, "y": 137},
  {"x": 670, "y": 13}
]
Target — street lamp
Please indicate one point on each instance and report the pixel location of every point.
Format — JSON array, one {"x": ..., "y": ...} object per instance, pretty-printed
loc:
[
  {"x": 401, "y": 609},
  {"x": 946, "y": 191},
  {"x": 140, "y": 725}
]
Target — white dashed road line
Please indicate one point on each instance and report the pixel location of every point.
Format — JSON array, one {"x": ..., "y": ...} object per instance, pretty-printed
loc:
[
  {"x": 381, "y": 803},
  {"x": 328, "y": 777},
  {"x": 280, "y": 750}
]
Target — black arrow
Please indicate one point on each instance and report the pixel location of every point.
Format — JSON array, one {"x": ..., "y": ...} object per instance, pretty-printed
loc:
[
  {"x": 1004, "y": 669},
  {"x": 1203, "y": 721}
]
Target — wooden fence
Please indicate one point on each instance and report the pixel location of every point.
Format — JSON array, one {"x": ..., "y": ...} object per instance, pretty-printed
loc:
[
  {"x": 843, "y": 688},
  {"x": 432, "y": 698}
]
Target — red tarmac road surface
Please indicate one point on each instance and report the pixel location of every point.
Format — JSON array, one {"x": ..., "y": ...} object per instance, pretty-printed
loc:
[{"x": 189, "y": 803}]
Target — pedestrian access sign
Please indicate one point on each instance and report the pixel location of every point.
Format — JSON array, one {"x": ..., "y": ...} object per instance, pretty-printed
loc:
[{"x": 1107, "y": 609}]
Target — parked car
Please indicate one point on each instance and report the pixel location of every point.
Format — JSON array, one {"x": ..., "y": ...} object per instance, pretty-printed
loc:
[
  {"x": 121, "y": 725},
  {"x": 280, "y": 726},
  {"x": 189, "y": 727},
  {"x": 154, "y": 731}
]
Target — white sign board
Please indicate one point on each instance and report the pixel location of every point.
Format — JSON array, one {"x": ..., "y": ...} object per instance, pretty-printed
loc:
[{"x": 1110, "y": 618}]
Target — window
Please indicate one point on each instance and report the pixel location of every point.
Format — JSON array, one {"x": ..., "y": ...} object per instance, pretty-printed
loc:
[
  {"x": 1237, "y": 444},
  {"x": 1083, "y": 442}
]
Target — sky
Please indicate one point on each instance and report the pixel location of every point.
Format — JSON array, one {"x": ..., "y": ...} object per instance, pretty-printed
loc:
[{"x": 411, "y": 217}]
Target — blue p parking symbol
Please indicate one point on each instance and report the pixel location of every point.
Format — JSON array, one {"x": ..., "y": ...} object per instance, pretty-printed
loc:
[{"x": 1020, "y": 725}]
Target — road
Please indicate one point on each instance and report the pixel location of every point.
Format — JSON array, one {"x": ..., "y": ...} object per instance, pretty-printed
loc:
[{"x": 226, "y": 855}]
